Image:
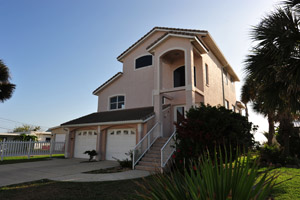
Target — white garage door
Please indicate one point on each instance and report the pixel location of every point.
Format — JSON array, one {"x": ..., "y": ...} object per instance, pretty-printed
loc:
[
  {"x": 84, "y": 141},
  {"x": 119, "y": 142}
]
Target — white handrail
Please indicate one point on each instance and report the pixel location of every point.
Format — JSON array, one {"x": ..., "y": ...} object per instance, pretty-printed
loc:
[
  {"x": 147, "y": 136},
  {"x": 162, "y": 149}
]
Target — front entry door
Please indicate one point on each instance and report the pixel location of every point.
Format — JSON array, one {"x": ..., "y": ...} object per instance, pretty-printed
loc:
[{"x": 179, "y": 113}]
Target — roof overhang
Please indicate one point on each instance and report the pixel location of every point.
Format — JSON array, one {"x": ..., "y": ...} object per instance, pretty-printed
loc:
[
  {"x": 219, "y": 55},
  {"x": 109, "y": 123},
  {"x": 156, "y": 29},
  {"x": 197, "y": 43},
  {"x": 112, "y": 79},
  {"x": 240, "y": 105}
]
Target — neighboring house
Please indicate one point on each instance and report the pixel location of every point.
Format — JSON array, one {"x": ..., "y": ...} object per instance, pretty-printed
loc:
[
  {"x": 41, "y": 136},
  {"x": 58, "y": 133},
  {"x": 165, "y": 73}
]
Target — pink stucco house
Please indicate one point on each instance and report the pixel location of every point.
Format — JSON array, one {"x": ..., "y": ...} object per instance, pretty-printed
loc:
[{"x": 165, "y": 72}]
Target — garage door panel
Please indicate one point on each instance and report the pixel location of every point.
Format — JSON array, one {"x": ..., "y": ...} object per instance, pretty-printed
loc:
[
  {"x": 119, "y": 142},
  {"x": 84, "y": 141}
]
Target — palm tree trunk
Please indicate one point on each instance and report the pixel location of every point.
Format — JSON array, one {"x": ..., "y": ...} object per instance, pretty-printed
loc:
[
  {"x": 286, "y": 128},
  {"x": 271, "y": 128}
]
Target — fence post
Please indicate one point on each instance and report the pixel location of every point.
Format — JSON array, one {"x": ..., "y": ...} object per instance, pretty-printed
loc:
[
  {"x": 51, "y": 147},
  {"x": 2, "y": 149},
  {"x": 28, "y": 150}
]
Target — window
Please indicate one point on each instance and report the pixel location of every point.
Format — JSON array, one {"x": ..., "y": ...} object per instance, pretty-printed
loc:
[
  {"x": 195, "y": 75},
  {"x": 179, "y": 114},
  {"x": 206, "y": 74},
  {"x": 225, "y": 77},
  {"x": 226, "y": 104},
  {"x": 143, "y": 61},
  {"x": 117, "y": 102},
  {"x": 163, "y": 100},
  {"x": 125, "y": 132},
  {"x": 48, "y": 139},
  {"x": 118, "y": 132},
  {"x": 233, "y": 108},
  {"x": 179, "y": 76}
]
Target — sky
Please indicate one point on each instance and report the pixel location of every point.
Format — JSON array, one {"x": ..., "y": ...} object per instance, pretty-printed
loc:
[{"x": 59, "y": 51}]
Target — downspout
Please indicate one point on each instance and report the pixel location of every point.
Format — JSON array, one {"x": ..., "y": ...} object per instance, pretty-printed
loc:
[{"x": 222, "y": 75}]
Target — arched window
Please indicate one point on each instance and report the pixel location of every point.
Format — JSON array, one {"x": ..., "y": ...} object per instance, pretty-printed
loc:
[
  {"x": 143, "y": 61},
  {"x": 117, "y": 102},
  {"x": 179, "y": 76}
]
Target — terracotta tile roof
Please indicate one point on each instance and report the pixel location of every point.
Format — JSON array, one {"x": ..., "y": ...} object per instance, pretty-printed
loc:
[
  {"x": 114, "y": 76},
  {"x": 114, "y": 116},
  {"x": 161, "y": 28}
]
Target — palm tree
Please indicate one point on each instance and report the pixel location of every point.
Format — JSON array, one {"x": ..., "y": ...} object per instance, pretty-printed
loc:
[
  {"x": 275, "y": 61},
  {"x": 255, "y": 93},
  {"x": 6, "y": 88}
]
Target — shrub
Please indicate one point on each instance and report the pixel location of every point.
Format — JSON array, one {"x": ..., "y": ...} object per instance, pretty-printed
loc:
[
  {"x": 212, "y": 179},
  {"x": 209, "y": 127},
  {"x": 91, "y": 154}
]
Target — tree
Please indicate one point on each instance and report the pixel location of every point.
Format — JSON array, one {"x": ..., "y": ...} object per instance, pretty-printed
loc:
[
  {"x": 6, "y": 88},
  {"x": 275, "y": 61},
  {"x": 26, "y": 128}
]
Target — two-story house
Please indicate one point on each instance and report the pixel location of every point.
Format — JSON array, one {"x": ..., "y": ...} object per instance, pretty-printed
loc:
[{"x": 165, "y": 73}]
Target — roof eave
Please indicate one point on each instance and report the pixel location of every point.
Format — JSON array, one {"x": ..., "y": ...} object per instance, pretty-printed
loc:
[{"x": 107, "y": 83}]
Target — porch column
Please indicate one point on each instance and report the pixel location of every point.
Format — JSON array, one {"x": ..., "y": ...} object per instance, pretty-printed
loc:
[
  {"x": 98, "y": 144},
  {"x": 67, "y": 142},
  {"x": 189, "y": 78},
  {"x": 157, "y": 97}
]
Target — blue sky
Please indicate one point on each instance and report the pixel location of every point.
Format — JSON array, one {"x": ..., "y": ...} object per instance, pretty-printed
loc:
[{"x": 59, "y": 51}]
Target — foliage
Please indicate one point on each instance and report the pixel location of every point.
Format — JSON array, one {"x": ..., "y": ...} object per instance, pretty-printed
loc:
[
  {"x": 126, "y": 163},
  {"x": 26, "y": 128},
  {"x": 272, "y": 67},
  {"x": 273, "y": 155},
  {"x": 208, "y": 127},
  {"x": 294, "y": 141},
  {"x": 24, "y": 137},
  {"x": 212, "y": 179},
  {"x": 91, "y": 154},
  {"x": 6, "y": 88}
]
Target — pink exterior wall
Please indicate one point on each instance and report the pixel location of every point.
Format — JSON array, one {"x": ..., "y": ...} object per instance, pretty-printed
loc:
[{"x": 136, "y": 85}]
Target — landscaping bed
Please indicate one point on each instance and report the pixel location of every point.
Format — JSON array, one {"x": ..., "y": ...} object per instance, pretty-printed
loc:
[{"x": 108, "y": 170}]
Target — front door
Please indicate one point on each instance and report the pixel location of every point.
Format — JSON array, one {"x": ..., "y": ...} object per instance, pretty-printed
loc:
[{"x": 179, "y": 113}]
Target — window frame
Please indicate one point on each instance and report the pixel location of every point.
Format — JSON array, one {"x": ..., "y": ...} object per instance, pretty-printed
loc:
[
  {"x": 226, "y": 104},
  {"x": 117, "y": 102},
  {"x": 206, "y": 75},
  {"x": 140, "y": 56}
]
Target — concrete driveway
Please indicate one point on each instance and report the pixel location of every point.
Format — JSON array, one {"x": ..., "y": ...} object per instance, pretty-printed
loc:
[{"x": 52, "y": 169}]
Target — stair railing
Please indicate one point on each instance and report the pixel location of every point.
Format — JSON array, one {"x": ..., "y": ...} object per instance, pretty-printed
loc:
[
  {"x": 167, "y": 150},
  {"x": 144, "y": 144}
]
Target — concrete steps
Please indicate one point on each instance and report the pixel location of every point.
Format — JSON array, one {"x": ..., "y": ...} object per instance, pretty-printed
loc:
[{"x": 152, "y": 159}]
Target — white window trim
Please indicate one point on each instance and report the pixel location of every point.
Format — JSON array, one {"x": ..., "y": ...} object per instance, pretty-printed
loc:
[
  {"x": 134, "y": 61},
  {"x": 108, "y": 104}
]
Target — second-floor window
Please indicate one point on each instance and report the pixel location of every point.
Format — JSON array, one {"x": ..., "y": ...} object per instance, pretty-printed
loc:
[
  {"x": 226, "y": 104},
  {"x": 117, "y": 102},
  {"x": 179, "y": 76},
  {"x": 143, "y": 61},
  {"x": 206, "y": 74}
]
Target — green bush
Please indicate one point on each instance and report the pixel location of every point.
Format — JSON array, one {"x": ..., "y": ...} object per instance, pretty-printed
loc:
[
  {"x": 209, "y": 127},
  {"x": 272, "y": 155},
  {"x": 212, "y": 179}
]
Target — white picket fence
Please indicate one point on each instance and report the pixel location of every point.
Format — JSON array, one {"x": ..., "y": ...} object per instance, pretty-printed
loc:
[{"x": 30, "y": 148}]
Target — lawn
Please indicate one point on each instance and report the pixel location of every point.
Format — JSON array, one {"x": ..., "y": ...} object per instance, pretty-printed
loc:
[
  {"x": 45, "y": 189},
  {"x": 20, "y": 159},
  {"x": 288, "y": 189}
]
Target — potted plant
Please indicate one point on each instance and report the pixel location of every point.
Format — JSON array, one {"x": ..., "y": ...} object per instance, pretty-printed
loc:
[{"x": 91, "y": 154}]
